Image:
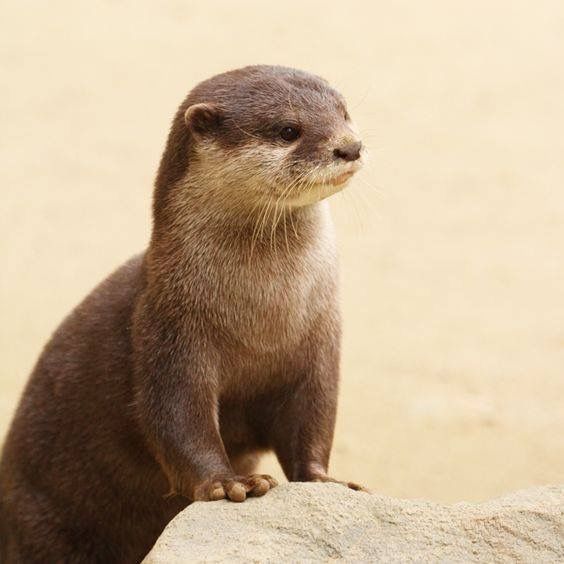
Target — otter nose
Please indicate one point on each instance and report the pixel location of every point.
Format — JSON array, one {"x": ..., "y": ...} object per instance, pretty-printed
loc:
[{"x": 349, "y": 152}]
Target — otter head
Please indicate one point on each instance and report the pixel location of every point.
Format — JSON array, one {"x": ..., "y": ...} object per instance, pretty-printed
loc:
[{"x": 263, "y": 133}]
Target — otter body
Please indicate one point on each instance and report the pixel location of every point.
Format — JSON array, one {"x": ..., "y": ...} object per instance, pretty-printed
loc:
[{"x": 217, "y": 344}]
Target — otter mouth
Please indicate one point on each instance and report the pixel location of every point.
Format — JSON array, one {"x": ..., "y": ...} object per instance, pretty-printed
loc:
[
  {"x": 340, "y": 178},
  {"x": 324, "y": 187}
]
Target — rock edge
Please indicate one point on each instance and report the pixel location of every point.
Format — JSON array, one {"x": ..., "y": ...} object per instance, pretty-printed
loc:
[{"x": 320, "y": 522}]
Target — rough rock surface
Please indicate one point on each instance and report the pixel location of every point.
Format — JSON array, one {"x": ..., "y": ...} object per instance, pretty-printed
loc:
[{"x": 320, "y": 522}]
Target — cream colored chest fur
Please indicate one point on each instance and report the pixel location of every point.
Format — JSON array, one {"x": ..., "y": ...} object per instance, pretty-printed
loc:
[{"x": 270, "y": 301}]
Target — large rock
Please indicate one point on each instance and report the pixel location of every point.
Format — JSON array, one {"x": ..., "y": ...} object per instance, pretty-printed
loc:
[{"x": 322, "y": 522}]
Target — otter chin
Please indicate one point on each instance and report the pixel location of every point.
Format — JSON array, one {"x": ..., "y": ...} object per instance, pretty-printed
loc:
[
  {"x": 329, "y": 185},
  {"x": 217, "y": 344}
]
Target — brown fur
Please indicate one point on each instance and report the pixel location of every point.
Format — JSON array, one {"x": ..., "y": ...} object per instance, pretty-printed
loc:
[{"x": 217, "y": 344}]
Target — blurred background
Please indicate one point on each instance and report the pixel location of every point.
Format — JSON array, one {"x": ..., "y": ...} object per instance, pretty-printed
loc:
[{"x": 451, "y": 240}]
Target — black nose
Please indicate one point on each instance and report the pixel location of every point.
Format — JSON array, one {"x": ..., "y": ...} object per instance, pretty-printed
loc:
[{"x": 350, "y": 152}]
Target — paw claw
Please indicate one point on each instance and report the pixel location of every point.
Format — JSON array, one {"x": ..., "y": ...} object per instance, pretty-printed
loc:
[
  {"x": 236, "y": 491},
  {"x": 272, "y": 481},
  {"x": 217, "y": 493},
  {"x": 351, "y": 485},
  {"x": 258, "y": 486},
  {"x": 357, "y": 487}
]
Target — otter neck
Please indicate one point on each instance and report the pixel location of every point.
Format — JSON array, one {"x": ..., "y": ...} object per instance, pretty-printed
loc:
[{"x": 189, "y": 217}]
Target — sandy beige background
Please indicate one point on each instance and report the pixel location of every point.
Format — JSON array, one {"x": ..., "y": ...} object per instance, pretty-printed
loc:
[{"x": 452, "y": 241}]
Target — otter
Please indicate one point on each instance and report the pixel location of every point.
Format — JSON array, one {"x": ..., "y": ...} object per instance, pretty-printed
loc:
[{"x": 217, "y": 344}]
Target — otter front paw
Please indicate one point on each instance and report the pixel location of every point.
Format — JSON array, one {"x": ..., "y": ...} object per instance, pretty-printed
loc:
[
  {"x": 351, "y": 485},
  {"x": 235, "y": 488}
]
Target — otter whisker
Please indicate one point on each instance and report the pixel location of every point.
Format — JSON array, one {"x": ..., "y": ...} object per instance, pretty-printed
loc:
[
  {"x": 358, "y": 103},
  {"x": 285, "y": 231},
  {"x": 356, "y": 218},
  {"x": 273, "y": 226},
  {"x": 287, "y": 192},
  {"x": 245, "y": 132},
  {"x": 256, "y": 229},
  {"x": 252, "y": 213},
  {"x": 264, "y": 221}
]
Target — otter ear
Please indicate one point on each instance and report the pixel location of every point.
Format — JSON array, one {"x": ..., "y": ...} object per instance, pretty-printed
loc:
[{"x": 203, "y": 118}]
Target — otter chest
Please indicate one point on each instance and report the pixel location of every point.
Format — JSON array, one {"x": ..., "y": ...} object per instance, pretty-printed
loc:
[
  {"x": 266, "y": 310},
  {"x": 270, "y": 303}
]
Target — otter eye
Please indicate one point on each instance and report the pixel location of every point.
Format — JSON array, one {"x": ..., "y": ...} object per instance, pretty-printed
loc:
[{"x": 289, "y": 133}]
